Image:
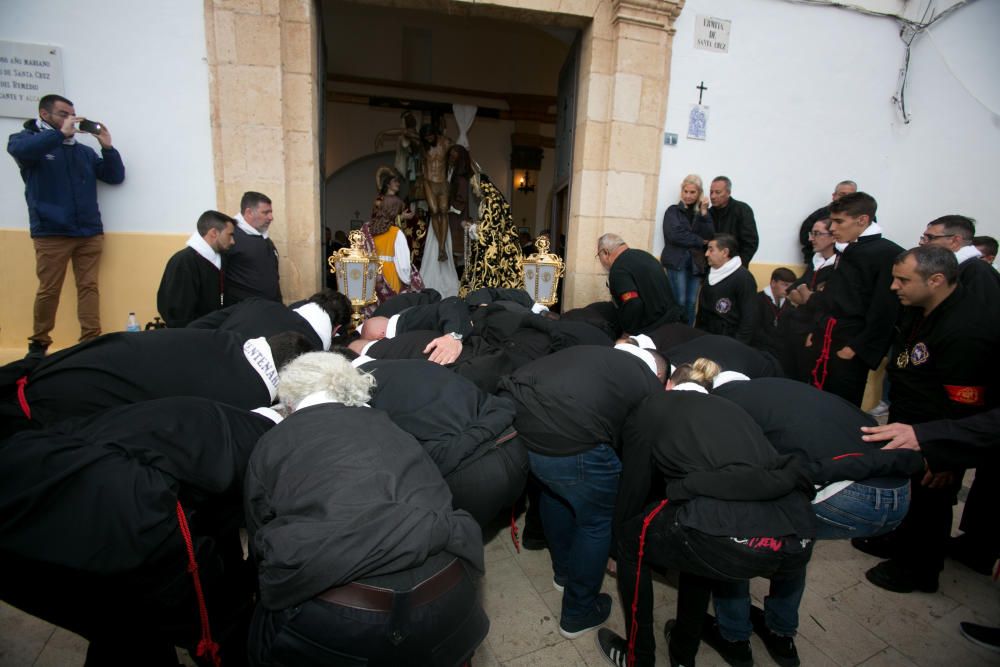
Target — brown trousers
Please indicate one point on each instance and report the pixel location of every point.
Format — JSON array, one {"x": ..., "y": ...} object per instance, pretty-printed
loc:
[{"x": 52, "y": 254}]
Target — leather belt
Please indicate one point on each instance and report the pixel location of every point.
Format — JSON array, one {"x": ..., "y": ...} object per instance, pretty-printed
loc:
[{"x": 372, "y": 598}]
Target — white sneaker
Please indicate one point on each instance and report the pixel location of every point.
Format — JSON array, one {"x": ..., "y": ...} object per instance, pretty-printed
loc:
[{"x": 881, "y": 409}]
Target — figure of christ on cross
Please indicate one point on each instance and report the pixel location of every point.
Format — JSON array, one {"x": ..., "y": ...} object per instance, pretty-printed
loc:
[{"x": 435, "y": 171}]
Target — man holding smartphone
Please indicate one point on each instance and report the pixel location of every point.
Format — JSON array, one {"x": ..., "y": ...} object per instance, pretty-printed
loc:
[{"x": 60, "y": 177}]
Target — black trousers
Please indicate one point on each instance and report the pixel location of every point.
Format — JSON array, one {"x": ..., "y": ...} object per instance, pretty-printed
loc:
[
  {"x": 490, "y": 480},
  {"x": 978, "y": 518},
  {"x": 923, "y": 535},
  {"x": 441, "y": 633},
  {"x": 701, "y": 559}
]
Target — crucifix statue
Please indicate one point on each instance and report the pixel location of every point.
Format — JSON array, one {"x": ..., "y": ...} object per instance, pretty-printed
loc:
[{"x": 701, "y": 89}]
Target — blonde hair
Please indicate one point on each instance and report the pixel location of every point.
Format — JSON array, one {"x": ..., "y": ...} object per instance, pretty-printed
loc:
[
  {"x": 325, "y": 372},
  {"x": 695, "y": 180},
  {"x": 701, "y": 371}
]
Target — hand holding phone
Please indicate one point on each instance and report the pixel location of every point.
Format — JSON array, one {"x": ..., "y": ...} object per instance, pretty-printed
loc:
[{"x": 90, "y": 126}]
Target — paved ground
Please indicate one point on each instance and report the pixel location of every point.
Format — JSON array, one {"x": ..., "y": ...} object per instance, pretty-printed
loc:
[{"x": 844, "y": 619}]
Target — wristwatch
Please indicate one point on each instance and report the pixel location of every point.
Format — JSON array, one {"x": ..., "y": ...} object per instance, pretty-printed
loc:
[{"x": 456, "y": 336}]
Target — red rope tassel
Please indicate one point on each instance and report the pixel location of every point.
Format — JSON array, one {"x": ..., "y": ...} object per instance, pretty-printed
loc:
[
  {"x": 22, "y": 382},
  {"x": 513, "y": 530},
  {"x": 205, "y": 645},
  {"x": 824, "y": 355},
  {"x": 634, "y": 629}
]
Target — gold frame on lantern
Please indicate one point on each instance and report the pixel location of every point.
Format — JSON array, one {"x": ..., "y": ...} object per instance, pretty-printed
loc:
[
  {"x": 355, "y": 254},
  {"x": 537, "y": 260}
]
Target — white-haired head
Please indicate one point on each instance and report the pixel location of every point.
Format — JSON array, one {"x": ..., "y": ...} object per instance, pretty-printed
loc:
[{"x": 323, "y": 373}]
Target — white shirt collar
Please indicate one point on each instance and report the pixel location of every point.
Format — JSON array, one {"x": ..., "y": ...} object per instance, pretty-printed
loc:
[
  {"x": 642, "y": 354},
  {"x": 315, "y": 398},
  {"x": 361, "y": 360},
  {"x": 872, "y": 230},
  {"x": 819, "y": 261},
  {"x": 200, "y": 246},
  {"x": 770, "y": 294},
  {"x": 270, "y": 413},
  {"x": 967, "y": 252},
  {"x": 390, "y": 327},
  {"x": 319, "y": 321},
  {"x": 716, "y": 276},
  {"x": 258, "y": 354},
  {"x": 644, "y": 341},
  {"x": 689, "y": 386},
  {"x": 245, "y": 226},
  {"x": 364, "y": 350},
  {"x": 726, "y": 377}
]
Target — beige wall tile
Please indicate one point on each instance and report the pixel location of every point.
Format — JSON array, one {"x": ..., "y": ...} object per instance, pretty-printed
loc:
[
  {"x": 225, "y": 37},
  {"x": 270, "y": 7},
  {"x": 265, "y": 154},
  {"x": 249, "y": 95},
  {"x": 653, "y": 102},
  {"x": 625, "y": 194},
  {"x": 642, "y": 33},
  {"x": 634, "y": 148},
  {"x": 298, "y": 101},
  {"x": 244, "y": 6},
  {"x": 598, "y": 97},
  {"x": 602, "y": 56},
  {"x": 578, "y": 7},
  {"x": 301, "y": 157},
  {"x": 627, "y": 97},
  {"x": 258, "y": 40},
  {"x": 234, "y": 149},
  {"x": 642, "y": 58},
  {"x": 589, "y": 196},
  {"x": 590, "y": 147},
  {"x": 602, "y": 27},
  {"x": 296, "y": 10},
  {"x": 297, "y": 48}
]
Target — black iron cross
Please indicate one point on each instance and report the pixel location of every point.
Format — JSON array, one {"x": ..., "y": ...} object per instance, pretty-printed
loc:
[{"x": 701, "y": 89}]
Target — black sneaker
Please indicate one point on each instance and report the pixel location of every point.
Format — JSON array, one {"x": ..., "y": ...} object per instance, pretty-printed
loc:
[
  {"x": 737, "y": 653},
  {"x": 892, "y": 576},
  {"x": 612, "y": 647},
  {"x": 781, "y": 649},
  {"x": 36, "y": 350},
  {"x": 883, "y": 546},
  {"x": 573, "y": 628},
  {"x": 668, "y": 628},
  {"x": 982, "y": 635}
]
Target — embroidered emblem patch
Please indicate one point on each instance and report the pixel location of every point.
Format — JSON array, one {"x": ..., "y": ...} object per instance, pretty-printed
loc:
[
  {"x": 919, "y": 354},
  {"x": 723, "y": 306}
]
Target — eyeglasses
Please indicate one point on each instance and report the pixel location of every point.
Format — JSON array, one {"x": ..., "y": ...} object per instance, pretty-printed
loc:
[
  {"x": 815, "y": 234},
  {"x": 927, "y": 238}
]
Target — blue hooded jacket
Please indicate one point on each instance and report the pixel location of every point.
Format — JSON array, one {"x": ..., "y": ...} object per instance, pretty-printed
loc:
[{"x": 60, "y": 181}]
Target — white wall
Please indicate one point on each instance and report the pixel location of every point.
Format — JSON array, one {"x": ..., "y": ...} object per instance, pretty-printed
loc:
[
  {"x": 141, "y": 68},
  {"x": 803, "y": 100}
]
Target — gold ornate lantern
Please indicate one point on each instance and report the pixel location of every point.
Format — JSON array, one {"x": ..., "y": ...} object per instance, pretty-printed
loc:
[
  {"x": 542, "y": 271},
  {"x": 356, "y": 273}
]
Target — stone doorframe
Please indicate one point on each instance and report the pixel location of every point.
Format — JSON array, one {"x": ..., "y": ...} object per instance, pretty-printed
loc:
[{"x": 264, "y": 91}]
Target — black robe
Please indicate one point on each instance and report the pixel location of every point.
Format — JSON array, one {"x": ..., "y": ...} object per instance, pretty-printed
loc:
[
  {"x": 729, "y": 308},
  {"x": 336, "y": 494},
  {"x": 448, "y": 415},
  {"x": 122, "y": 368},
  {"x": 820, "y": 427},
  {"x": 857, "y": 295},
  {"x": 251, "y": 267},
  {"x": 640, "y": 290},
  {"x": 256, "y": 317},
  {"x": 980, "y": 280},
  {"x": 728, "y": 352},
  {"x": 771, "y": 334},
  {"x": 577, "y": 399},
  {"x": 191, "y": 286},
  {"x": 449, "y": 315}
]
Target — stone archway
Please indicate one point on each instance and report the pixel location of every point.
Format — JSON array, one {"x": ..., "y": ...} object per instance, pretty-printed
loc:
[{"x": 264, "y": 92}]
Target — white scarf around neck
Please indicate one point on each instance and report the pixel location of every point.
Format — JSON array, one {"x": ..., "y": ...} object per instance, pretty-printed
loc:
[
  {"x": 637, "y": 351},
  {"x": 819, "y": 261},
  {"x": 42, "y": 125},
  {"x": 770, "y": 295},
  {"x": 872, "y": 230},
  {"x": 200, "y": 246},
  {"x": 716, "y": 276},
  {"x": 245, "y": 226},
  {"x": 319, "y": 321},
  {"x": 967, "y": 252}
]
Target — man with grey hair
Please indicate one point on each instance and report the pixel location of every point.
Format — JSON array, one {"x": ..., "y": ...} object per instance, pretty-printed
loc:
[
  {"x": 941, "y": 366},
  {"x": 822, "y": 213},
  {"x": 638, "y": 285},
  {"x": 956, "y": 233},
  {"x": 733, "y": 217},
  {"x": 360, "y": 554}
]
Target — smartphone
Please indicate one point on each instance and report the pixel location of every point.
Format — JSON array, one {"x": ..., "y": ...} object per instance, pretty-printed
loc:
[{"x": 90, "y": 126}]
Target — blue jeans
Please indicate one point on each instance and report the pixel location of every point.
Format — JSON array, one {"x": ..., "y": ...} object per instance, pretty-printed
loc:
[
  {"x": 576, "y": 505},
  {"x": 861, "y": 511},
  {"x": 857, "y": 511},
  {"x": 685, "y": 286}
]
